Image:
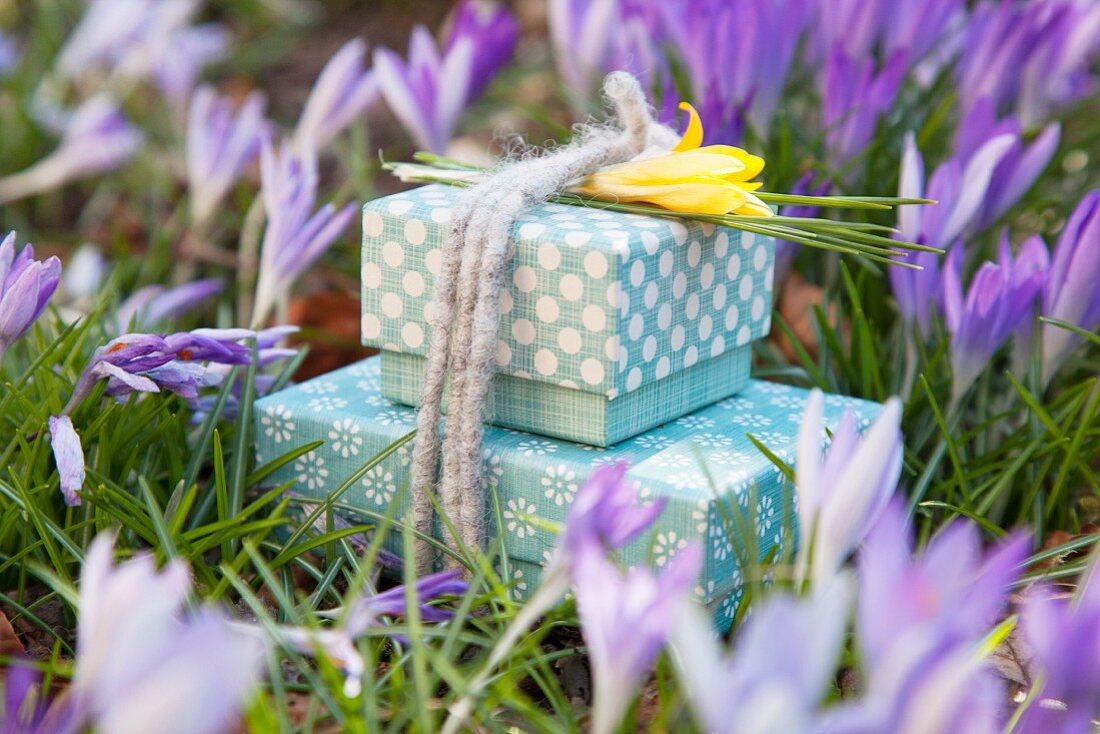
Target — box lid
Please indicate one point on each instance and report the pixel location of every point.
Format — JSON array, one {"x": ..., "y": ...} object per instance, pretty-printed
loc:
[
  {"x": 703, "y": 465},
  {"x": 595, "y": 300}
]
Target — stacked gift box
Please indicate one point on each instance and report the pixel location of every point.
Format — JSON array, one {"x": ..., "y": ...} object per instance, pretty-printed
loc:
[{"x": 622, "y": 337}]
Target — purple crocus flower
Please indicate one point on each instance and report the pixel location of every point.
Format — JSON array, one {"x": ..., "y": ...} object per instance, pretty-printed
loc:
[
  {"x": 852, "y": 26},
  {"x": 919, "y": 626},
  {"x": 626, "y": 620},
  {"x": 428, "y": 93},
  {"x": 1064, "y": 636},
  {"x": 1000, "y": 299},
  {"x": 841, "y": 494},
  {"x": 606, "y": 512},
  {"x": 365, "y": 612},
  {"x": 918, "y": 26},
  {"x": 152, "y": 304},
  {"x": 341, "y": 93},
  {"x": 1019, "y": 166},
  {"x": 178, "y": 68},
  {"x": 1057, "y": 72},
  {"x": 296, "y": 235},
  {"x": 142, "y": 664},
  {"x": 219, "y": 147},
  {"x": 26, "y": 708},
  {"x": 581, "y": 32},
  {"x": 96, "y": 139},
  {"x": 960, "y": 189},
  {"x": 783, "y": 663},
  {"x": 1071, "y": 293},
  {"x": 493, "y": 30},
  {"x": 26, "y": 285},
  {"x": 854, "y": 95},
  {"x": 952, "y": 591},
  {"x": 999, "y": 38}
]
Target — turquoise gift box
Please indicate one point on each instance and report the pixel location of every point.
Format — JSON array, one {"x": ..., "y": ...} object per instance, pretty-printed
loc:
[
  {"x": 611, "y": 323},
  {"x": 702, "y": 464}
]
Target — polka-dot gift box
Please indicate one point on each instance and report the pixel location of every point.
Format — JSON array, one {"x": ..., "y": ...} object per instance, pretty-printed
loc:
[
  {"x": 720, "y": 490},
  {"x": 599, "y": 308}
]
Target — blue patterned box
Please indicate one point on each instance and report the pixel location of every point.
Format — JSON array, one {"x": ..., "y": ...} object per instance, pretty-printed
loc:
[
  {"x": 599, "y": 307},
  {"x": 538, "y": 477}
]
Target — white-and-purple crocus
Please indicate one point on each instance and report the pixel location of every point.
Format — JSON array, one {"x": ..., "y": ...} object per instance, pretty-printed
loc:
[
  {"x": 26, "y": 285},
  {"x": 296, "y": 235},
  {"x": 841, "y": 493},
  {"x": 96, "y": 139},
  {"x": 1000, "y": 300},
  {"x": 220, "y": 145},
  {"x": 428, "y": 92},
  {"x": 341, "y": 93}
]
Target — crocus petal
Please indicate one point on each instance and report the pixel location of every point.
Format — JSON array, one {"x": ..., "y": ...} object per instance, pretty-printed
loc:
[
  {"x": 693, "y": 135},
  {"x": 69, "y": 455}
]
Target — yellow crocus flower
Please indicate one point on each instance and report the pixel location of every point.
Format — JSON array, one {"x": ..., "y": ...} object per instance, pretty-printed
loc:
[{"x": 713, "y": 179}]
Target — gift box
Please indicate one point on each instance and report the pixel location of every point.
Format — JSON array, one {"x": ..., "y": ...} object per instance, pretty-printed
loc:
[
  {"x": 719, "y": 489},
  {"x": 620, "y": 321}
]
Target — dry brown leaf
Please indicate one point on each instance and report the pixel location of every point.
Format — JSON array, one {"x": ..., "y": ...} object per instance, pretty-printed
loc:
[
  {"x": 10, "y": 646},
  {"x": 334, "y": 320},
  {"x": 796, "y": 303}
]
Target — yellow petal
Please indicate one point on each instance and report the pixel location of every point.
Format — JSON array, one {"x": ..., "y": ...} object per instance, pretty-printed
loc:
[
  {"x": 701, "y": 197},
  {"x": 753, "y": 207},
  {"x": 672, "y": 167},
  {"x": 693, "y": 136},
  {"x": 753, "y": 164}
]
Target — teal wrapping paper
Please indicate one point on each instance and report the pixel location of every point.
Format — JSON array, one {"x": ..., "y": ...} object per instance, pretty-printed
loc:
[
  {"x": 597, "y": 301},
  {"x": 720, "y": 490}
]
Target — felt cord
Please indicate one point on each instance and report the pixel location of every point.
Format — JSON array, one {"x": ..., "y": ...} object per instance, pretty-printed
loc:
[{"x": 465, "y": 311}]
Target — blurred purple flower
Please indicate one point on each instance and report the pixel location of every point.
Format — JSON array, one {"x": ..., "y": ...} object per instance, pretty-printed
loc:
[
  {"x": 1071, "y": 293},
  {"x": 951, "y": 592},
  {"x": 606, "y": 512},
  {"x": 582, "y": 34},
  {"x": 1000, "y": 299},
  {"x": 26, "y": 285},
  {"x": 626, "y": 620},
  {"x": 784, "y": 662},
  {"x": 10, "y": 54},
  {"x": 365, "y": 612},
  {"x": 960, "y": 191},
  {"x": 219, "y": 147},
  {"x": 268, "y": 352},
  {"x": 1064, "y": 636},
  {"x": 141, "y": 664},
  {"x": 493, "y": 30},
  {"x": 428, "y": 93},
  {"x": 918, "y": 26},
  {"x": 341, "y": 93},
  {"x": 26, "y": 708},
  {"x": 85, "y": 271},
  {"x": 853, "y": 27},
  {"x": 842, "y": 493},
  {"x": 296, "y": 235},
  {"x": 97, "y": 139},
  {"x": 1058, "y": 72},
  {"x": 177, "y": 70},
  {"x": 69, "y": 456},
  {"x": 785, "y": 251},
  {"x": 919, "y": 626},
  {"x": 853, "y": 96},
  {"x": 152, "y": 304},
  {"x": 1019, "y": 166},
  {"x": 136, "y": 39},
  {"x": 999, "y": 37}
]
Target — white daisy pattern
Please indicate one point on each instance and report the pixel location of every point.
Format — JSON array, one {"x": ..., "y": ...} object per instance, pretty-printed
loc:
[
  {"x": 395, "y": 417},
  {"x": 345, "y": 437},
  {"x": 320, "y": 387},
  {"x": 326, "y": 403},
  {"x": 380, "y": 486},
  {"x": 700, "y": 515},
  {"x": 654, "y": 441},
  {"x": 752, "y": 420},
  {"x": 491, "y": 469},
  {"x": 666, "y": 545},
  {"x": 519, "y": 585},
  {"x": 766, "y": 515},
  {"x": 713, "y": 440},
  {"x": 536, "y": 447},
  {"x": 787, "y": 402},
  {"x": 721, "y": 545},
  {"x": 696, "y": 422},
  {"x": 669, "y": 460},
  {"x": 560, "y": 484},
  {"x": 278, "y": 423},
  {"x": 311, "y": 470},
  {"x": 516, "y": 513}
]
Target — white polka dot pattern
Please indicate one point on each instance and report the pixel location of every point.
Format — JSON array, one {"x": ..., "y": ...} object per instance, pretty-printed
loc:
[{"x": 669, "y": 292}]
